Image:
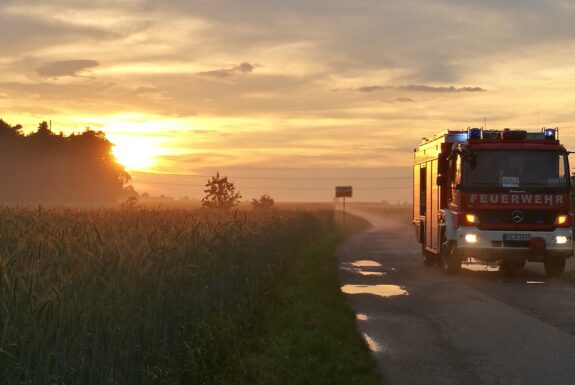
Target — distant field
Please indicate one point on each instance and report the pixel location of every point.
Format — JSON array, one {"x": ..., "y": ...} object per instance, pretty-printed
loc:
[
  {"x": 305, "y": 205},
  {"x": 402, "y": 213},
  {"x": 245, "y": 205},
  {"x": 136, "y": 295}
]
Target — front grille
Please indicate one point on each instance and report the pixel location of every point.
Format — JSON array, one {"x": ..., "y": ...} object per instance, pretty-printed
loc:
[{"x": 503, "y": 217}]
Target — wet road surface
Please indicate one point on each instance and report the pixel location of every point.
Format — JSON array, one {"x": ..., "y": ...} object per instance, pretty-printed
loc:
[{"x": 480, "y": 327}]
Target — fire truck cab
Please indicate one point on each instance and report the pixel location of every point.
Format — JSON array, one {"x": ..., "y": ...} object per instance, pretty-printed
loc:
[{"x": 493, "y": 196}]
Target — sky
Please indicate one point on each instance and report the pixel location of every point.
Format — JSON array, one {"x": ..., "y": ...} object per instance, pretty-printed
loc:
[{"x": 289, "y": 98}]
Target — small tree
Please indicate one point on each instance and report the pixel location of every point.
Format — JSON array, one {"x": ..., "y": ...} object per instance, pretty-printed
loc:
[
  {"x": 220, "y": 193},
  {"x": 265, "y": 202}
]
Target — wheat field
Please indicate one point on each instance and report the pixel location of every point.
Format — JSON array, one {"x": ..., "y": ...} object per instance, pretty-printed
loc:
[{"x": 133, "y": 295}]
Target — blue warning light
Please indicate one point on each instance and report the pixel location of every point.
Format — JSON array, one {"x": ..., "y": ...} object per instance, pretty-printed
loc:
[
  {"x": 549, "y": 133},
  {"x": 475, "y": 133}
]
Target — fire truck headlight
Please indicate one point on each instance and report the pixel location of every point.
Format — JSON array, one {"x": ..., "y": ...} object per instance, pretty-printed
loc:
[
  {"x": 472, "y": 218},
  {"x": 471, "y": 238},
  {"x": 561, "y": 219},
  {"x": 562, "y": 239}
]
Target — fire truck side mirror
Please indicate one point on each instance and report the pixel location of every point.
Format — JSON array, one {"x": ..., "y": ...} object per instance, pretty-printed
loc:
[{"x": 440, "y": 180}]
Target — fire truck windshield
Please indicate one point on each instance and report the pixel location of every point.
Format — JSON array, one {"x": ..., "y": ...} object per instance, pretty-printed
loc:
[{"x": 516, "y": 169}]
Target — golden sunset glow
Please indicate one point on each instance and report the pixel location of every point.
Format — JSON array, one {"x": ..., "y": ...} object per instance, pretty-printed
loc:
[
  {"x": 312, "y": 97},
  {"x": 134, "y": 153}
]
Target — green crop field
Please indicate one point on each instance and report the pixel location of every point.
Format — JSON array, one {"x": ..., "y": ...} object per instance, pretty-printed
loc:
[{"x": 134, "y": 296}]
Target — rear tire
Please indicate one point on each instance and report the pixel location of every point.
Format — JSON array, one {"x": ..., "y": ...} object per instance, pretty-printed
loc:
[
  {"x": 429, "y": 259},
  {"x": 554, "y": 266},
  {"x": 450, "y": 259}
]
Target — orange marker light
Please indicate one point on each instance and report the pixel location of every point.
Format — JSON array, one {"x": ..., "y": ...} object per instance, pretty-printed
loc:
[
  {"x": 471, "y": 218},
  {"x": 561, "y": 219}
]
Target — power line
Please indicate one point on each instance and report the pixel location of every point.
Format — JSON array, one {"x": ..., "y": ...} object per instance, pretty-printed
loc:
[{"x": 281, "y": 178}]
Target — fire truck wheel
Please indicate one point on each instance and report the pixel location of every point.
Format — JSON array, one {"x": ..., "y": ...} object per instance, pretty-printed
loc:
[
  {"x": 450, "y": 259},
  {"x": 429, "y": 259},
  {"x": 519, "y": 263},
  {"x": 508, "y": 266},
  {"x": 554, "y": 266}
]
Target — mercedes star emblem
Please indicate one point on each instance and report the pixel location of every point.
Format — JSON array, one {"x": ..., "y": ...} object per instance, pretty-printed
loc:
[{"x": 517, "y": 216}]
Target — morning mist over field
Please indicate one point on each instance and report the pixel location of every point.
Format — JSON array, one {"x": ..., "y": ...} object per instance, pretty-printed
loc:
[{"x": 286, "y": 98}]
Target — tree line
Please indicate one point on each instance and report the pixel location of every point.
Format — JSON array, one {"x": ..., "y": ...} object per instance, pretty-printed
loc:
[{"x": 46, "y": 167}]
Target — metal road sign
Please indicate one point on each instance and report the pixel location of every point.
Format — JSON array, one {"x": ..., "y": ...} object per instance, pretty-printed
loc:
[{"x": 343, "y": 191}]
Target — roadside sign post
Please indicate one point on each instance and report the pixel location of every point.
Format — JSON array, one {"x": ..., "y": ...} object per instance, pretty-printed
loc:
[{"x": 343, "y": 192}]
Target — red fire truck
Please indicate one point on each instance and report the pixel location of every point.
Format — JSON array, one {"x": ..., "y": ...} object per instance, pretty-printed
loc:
[{"x": 493, "y": 196}]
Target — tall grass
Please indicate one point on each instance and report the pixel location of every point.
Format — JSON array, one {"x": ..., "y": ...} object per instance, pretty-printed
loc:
[{"x": 133, "y": 296}]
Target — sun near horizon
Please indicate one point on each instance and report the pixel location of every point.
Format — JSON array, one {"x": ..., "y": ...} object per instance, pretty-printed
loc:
[{"x": 134, "y": 153}]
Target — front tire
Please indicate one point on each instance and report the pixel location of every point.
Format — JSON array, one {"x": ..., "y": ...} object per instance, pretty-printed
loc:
[
  {"x": 508, "y": 266},
  {"x": 519, "y": 263},
  {"x": 554, "y": 266},
  {"x": 450, "y": 259}
]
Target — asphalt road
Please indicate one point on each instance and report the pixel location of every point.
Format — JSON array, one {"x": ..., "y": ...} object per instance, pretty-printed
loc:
[{"x": 480, "y": 327}]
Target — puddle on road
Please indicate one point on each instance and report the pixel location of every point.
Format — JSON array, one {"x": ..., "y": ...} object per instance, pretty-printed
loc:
[
  {"x": 371, "y": 343},
  {"x": 384, "y": 291},
  {"x": 366, "y": 263},
  {"x": 361, "y": 317},
  {"x": 479, "y": 267},
  {"x": 356, "y": 267},
  {"x": 376, "y": 273},
  {"x": 483, "y": 267},
  {"x": 366, "y": 273}
]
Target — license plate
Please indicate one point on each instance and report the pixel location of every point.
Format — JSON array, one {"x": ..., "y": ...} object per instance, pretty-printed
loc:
[{"x": 516, "y": 237}]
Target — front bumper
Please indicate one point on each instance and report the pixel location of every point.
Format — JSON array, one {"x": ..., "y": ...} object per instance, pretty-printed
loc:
[{"x": 490, "y": 244}]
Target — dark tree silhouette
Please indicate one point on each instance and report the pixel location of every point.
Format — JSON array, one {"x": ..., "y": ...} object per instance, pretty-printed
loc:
[
  {"x": 265, "y": 202},
  {"x": 220, "y": 193},
  {"x": 8, "y": 132},
  {"x": 43, "y": 129},
  {"x": 49, "y": 168}
]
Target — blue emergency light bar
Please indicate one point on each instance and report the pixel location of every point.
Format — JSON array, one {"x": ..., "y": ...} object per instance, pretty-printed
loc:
[
  {"x": 549, "y": 133},
  {"x": 507, "y": 134}
]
